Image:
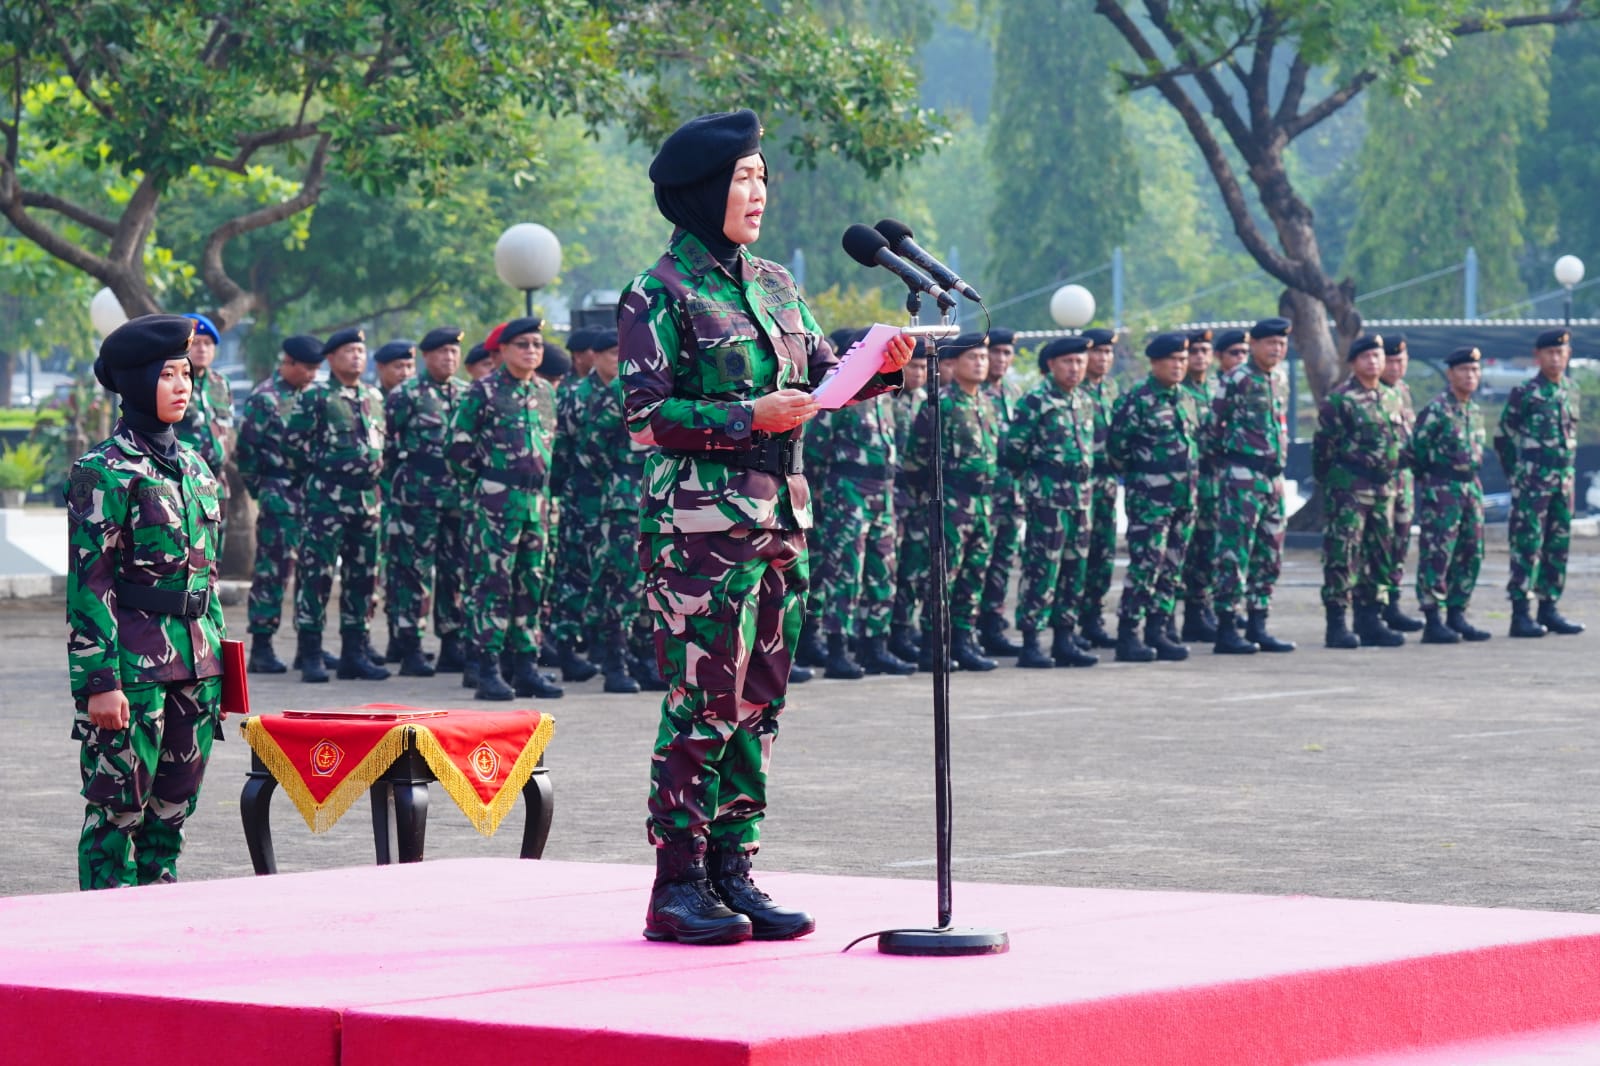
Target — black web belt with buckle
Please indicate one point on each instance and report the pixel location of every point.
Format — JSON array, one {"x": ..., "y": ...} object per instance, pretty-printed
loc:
[
  {"x": 776, "y": 456},
  {"x": 177, "y": 602}
]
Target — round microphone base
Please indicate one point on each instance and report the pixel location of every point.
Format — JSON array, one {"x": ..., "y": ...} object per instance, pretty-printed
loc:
[{"x": 948, "y": 941}]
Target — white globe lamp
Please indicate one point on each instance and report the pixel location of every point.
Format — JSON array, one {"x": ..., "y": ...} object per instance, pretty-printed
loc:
[
  {"x": 106, "y": 313},
  {"x": 1072, "y": 307},
  {"x": 527, "y": 256}
]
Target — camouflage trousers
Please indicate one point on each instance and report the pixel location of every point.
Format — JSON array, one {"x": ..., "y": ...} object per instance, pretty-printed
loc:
[
  {"x": 727, "y": 612},
  {"x": 1158, "y": 536},
  {"x": 1009, "y": 513},
  {"x": 615, "y": 591},
  {"x": 1540, "y": 533},
  {"x": 1404, "y": 506},
  {"x": 856, "y": 558},
  {"x": 817, "y": 585},
  {"x": 1249, "y": 542},
  {"x": 427, "y": 563},
  {"x": 1450, "y": 545},
  {"x": 911, "y": 558},
  {"x": 331, "y": 538},
  {"x": 1055, "y": 558},
  {"x": 968, "y": 537},
  {"x": 277, "y": 544},
  {"x": 1200, "y": 559},
  {"x": 1356, "y": 542},
  {"x": 574, "y": 559},
  {"x": 140, "y": 784},
  {"x": 507, "y": 587},
  {"x": 1102, "y": 541}
]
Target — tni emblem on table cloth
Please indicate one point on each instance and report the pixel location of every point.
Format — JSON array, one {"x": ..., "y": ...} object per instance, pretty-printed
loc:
[{"x": 325, "y": 758}]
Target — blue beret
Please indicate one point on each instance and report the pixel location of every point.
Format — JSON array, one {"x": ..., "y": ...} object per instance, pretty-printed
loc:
[
  {"x": 602, "y": 340},
  {"x": 303, "y": 349},
  {"x": 1394, "y": 344},
  {"x": 142, "y": 341},
  {"x": 1098, "y": 337},
  {"x": 1166, "y": 345},
  {"x": 353, "y": 335},
  {"x": 1061, "y": 346},
  {"x": 556, "y": 362},
  {"x": 395, "y": 350},
  {"x": 438, "y": 338},
  {"x": 1229, "y": 338},
  {"x": 1271, "y": 327},
  {"x": 477, "y": 354},
  {"x": 950, "y": 349},
  {"x": 1199, "y": 336},
  {"x": 202, "y": 324},
  {"x": 518, "y": 326},
  {"x": 1002, "y": 336},
  {"x": 581, "y": 340},
  {"x": 702, "y": 146},
  {"x": 1365, "y": 343},
  {"x": 1463, "y": 355},
  {"x": 1552, "y": 338}
]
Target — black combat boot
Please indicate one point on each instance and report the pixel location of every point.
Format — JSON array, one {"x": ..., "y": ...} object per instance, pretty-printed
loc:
[
  {"x": 1522, "y": 623},
  {"x": 840, "y": 666},
  {"x": 1130, "y": 649},
  {"x": 1551, "y": 619},
  {"x": 1456, "y": 619},
  {"x": 490, "y": 685},
  {"x": 876, "y": 658},
  {"x": 1371, "y": 631},
  {"x": 616, "y": 670},
  {"x": 730, "y": 878},
  {"x": 811, "y": 651},
  {"x": 1032, "y": 657},
  {"x": 412, "y": 662},
  {"x": 799, "y": 675},
  {"x": 1256, "y": 633},
  {"x": 683, "y": 905},
  {"x": 312, "y": 668},
  {"x": 370, "y": 653},
  {"x": 1435, "y": 631},
  {"x": 929, "y": 649},
  {"x": 392, "y": 652},
  {"x": 992, "y": 636},
  {"x": 642, "y": 666},
  {"x": 1338, "y": 633},
  {"x": 330, "y": 661},
  {"x": 574, "y": 667},
  {"x": 1094, "y": 630},
  {"x": 527, "y": 680},
  {"x": 1066, "y": 651},
  {"x": 354, "y": 665},
  {"x": 965, "y": 651},
  {"x": 262, "y": 658},
  {"x": 1195, "y": 627},
  {"x": 470, "y": 658},
  {"x": 450, "y": 658},
  {"x": 1229, "y": 641},
  {"x": 1157, "y": 636},
  {"x": 902, "y": 645},
  {"x": 1398, "y": 620}
]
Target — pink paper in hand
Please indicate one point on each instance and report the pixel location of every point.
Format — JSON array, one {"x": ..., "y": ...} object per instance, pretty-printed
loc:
[{"x": 856, "y": 367}]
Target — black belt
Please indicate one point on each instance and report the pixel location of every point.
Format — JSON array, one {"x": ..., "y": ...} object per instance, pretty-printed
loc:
[
  {"x": 1369, "y": 473},
  {"x": 969, "y": 483},
  {"x": 1102, "y": 468},
  {"x": 859, "y": 471},
  {"x": 1175, "y": 465},
  {"x": 164, "y": 601},
  {"x": 1546, "y": 456},
  {"x": 1446, "y": 473},
  {"x": 777, "y": 456},
  {"x": 431, "y": 465},
  {"x": 358, "y": 482},
  {"x": 1259, "y": 463},
  {"x": 527, "y": 480},
  {"x": 1068, "y": 471}
]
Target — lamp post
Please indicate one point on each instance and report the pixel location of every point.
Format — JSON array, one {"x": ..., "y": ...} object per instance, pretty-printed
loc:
[
  {"x": 105, "y": 314},
  {"x": 527, "y": 256},
  {"x": 1569, "y": 271},
  {"x": 1072, "y": 306}
]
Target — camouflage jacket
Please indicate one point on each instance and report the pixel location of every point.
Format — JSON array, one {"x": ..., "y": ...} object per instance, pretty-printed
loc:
[
  {"x": 1538, "y": 436},
  {"x": 905, "y": 415},
  {"x": 419, "y": 413},
  {"x": 1361, "y": 438},
  {"x": 969, "y": 449},
  {"x": 612, "y": 461},
  {"x": 856, "y": 442},
  {"x": 266, "y": 471},
  {"x": 500, "y": 443},
  {"x": 208, "y": 421},
  {"x": 1005, "y": 394},
  {"x": 1050, "y": 444},
  {"x": 698, "y": 348},
  {"x": 1249, "y": 425},
  {"x": 137, "y": 519},
  {"x": 1104, "y": 393},
  {"x": 1447, "y": 445},
  {"x": 1203, "y": 395},
  {"x": 1154, "y": 441},
  {"x": 570, "y": 476},
  {"x": 333, "y": 441}
]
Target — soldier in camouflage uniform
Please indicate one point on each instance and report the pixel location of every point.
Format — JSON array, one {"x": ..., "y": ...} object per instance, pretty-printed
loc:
[
  {"x": 811, "y": 651},
  {"x": 574, "y": 485},
  {"x": 1250, "y": 445},
  {"x": 1154, "y": 444},
  {"x": 207, "y": 424},
  {"x": 1004, "y": 392},
  {"x": 480, "y": 362},
  {"x": 333, "y": 440},
  {"x": 144, "y": 624},
  {"x": 1393, "y": 375},
  {"x": 1359, "y": 444},
  {"x": 1447, "y": 453},
  {"x": 911, "y": 511},
  {"x": 1050, "y": 446},
  {"x": 267, "y": 476},
  {"x": 718, "y": 352},
  {"x": 1199, "y": 561},
  {"x": 1537, "y": 443},
  {"x": 394, "y": 364},
  {"x": 1099, "y": 384},
  {"x": 500, "y": 450},
  {"x": 427, "y": 557}
]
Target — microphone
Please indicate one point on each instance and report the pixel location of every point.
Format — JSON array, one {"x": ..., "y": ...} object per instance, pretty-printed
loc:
[
  {"x": 898, "y": 234},
  {"x": 867, "y": 247}
]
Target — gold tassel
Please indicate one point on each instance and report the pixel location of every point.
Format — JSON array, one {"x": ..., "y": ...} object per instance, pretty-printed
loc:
[
  {"x": 485, "y": 817},
  {"x": 320, "y": 817}
]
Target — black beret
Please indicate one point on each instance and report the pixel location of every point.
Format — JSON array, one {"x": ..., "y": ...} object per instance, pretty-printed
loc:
[
  {"x": 950, "y": 349},
  {"x": 142, "y": 341},
  {"x": 1552, "y": 338},
  {"x": 556, "y": 362},
  {"x": 438, "y": 338},
  {"x": 303, "y": 349},
  {"x": 702, "y": 146},
  {"x": 518, "y": 326},
  {"x": 1166, "y": 345},
  {"x": 581, "y": 340},
  {"x": 1061, "y": 346},
  {"x": 1199, "y": 336},
  {"x": 395, "y": 350},
  {"x": 1394, "y": 344},
  {"x": 1271, "y": 327},
  {"x": 602, "y": 340},
  {"x": 477, "y": 354},
  {"x": 1002, "y": 336},
  {"x": 841, "y": 339},
  {"x": 1229, "y": 338},
  {"x": 1463, "y": 355},
  {"x": 353, "y": 335},
  {"x": 1097, "y": 337},
  {"x": 1365, "y": 343}
]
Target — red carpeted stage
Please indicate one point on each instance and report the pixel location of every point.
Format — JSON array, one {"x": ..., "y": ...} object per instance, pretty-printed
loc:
[{"x": 502, "y": 960}]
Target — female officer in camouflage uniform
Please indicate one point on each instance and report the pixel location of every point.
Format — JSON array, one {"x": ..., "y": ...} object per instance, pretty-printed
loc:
[
  {"x": 718, "y": 356},
  {"x": 144, "y": 519}
]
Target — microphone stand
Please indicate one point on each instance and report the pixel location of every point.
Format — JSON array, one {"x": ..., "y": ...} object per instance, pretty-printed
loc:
[{"x": 944, "y": 939}]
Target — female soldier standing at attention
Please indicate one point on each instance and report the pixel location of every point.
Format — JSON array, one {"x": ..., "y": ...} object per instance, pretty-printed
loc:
[
  {"x": 144, "y": 647},
  {"x": 719, "y": 354}
]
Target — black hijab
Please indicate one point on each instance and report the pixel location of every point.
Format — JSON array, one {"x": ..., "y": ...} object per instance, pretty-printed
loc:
[
  {"x": 137, "y": 387},
  {"x": 700, "y": 208}
]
